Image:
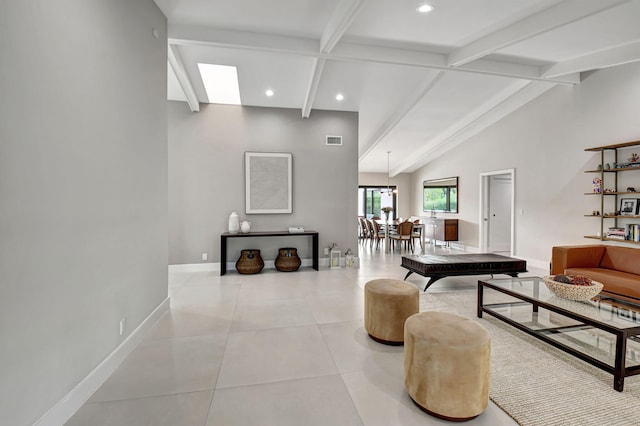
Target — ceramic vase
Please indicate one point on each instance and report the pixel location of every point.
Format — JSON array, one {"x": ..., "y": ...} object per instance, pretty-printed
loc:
[
  {"x": 245, "y": 227},
  {"x": 234, "y": 223}
]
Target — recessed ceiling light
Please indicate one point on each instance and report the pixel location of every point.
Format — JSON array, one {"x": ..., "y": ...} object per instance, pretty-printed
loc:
[
  {"x": 424, "y": 8},
  {"x": 221, "y": 83},
  {"x": 269, "y": 92},
  {"x": 339, "y": 97}
]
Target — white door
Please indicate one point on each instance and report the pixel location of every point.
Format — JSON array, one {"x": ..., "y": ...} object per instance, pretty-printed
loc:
[{"x": 497, "y": 212}]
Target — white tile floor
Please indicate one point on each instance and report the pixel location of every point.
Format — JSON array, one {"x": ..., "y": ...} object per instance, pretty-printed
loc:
[{"x": 268, "y": 349}]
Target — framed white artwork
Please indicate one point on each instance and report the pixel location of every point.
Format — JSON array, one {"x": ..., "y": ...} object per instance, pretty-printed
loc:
[{"x": 268, "y": 182}]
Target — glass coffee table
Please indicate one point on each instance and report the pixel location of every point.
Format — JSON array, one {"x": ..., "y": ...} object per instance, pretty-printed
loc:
[{"x": 603, "y": 332}]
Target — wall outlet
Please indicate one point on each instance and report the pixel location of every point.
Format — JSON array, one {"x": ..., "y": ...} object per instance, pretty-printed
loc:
[
  {"x": 205, "y": 256},
  {"x": 123, "y": 325},
  {"x": 326, "y": 251}
]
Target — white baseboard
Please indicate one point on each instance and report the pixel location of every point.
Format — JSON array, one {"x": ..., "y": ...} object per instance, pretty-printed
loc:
[
  {"x": 60, "y": 413},
  {"x": 195, "y": 267},
  {"x": 539, "y": 264},
  {"x": 231, "y": 266}
]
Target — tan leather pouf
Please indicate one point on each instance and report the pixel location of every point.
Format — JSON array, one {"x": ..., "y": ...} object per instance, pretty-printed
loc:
[
  {"x": 446, "y": 364},
  {"x": 387, "y": 305}
]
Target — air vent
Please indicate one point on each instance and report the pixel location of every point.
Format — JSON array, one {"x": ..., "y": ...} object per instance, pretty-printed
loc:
[{"x": 334, "y": 140}]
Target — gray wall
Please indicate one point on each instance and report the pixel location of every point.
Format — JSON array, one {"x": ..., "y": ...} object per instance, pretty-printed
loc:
[
  {"x": 83, "y": 190},
  {"x": 206, "y": 176},
  {"x": 544, "y": 142}
]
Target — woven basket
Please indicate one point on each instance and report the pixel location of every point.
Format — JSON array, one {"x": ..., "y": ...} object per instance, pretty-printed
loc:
[
  {"x": 250, "y": 262},
  {"x": 581, "y": 293},
  {"x": 288, "y": 260}
]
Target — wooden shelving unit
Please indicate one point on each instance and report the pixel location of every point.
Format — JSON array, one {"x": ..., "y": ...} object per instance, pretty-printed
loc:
[{"x": 611, "y": 173}]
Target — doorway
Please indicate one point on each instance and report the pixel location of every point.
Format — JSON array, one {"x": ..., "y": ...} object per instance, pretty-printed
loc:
[{"x": 497, "y": 212}]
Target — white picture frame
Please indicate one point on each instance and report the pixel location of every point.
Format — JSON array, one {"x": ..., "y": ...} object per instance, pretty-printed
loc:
[{"x": 268, "y": 182}]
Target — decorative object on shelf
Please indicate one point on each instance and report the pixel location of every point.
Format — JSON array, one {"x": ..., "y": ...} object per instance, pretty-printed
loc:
[
  {"x": 234, "y": 223},
  {"x": 245, "y": 227},
  {"x": 595, "y": 213},
  {"x": 607, "y": 166},
  {"x": 250, "y": 262},
  {"x": 288, "y": 260},
  {"x": 634, "y": 157},
  {"x": 597, "y": 185},
  {"x": 631, "y": 189},
  {"x": 578, "y": 288},
  {"x": 628, "y": 206}
]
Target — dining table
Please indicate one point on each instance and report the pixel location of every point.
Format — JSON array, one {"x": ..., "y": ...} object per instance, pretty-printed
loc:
[{"x": 390, "y": 225}]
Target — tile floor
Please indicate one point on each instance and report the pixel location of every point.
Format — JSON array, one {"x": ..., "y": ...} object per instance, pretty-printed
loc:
[{"x": 268, "y": 349}]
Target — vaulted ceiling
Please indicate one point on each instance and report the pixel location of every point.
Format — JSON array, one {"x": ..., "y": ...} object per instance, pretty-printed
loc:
[{"x": 422, "y": 83}]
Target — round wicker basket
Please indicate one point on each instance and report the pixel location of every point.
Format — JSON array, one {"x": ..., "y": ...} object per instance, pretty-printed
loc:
[
  {"x": 250, "y": 262},
  {"x": 288, "y": 260},
  {"x": 581, "y": 293}
]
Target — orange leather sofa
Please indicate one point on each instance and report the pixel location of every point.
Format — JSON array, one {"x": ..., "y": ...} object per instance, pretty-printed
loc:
[{"x": 618, "y": 268}]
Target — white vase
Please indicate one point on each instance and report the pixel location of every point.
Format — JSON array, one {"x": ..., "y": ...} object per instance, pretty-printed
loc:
[
  {"x": 245, "y": 227},
  {"x": 234, "y": 223}
]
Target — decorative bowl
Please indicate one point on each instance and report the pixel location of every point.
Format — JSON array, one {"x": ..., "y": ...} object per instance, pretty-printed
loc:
[{"x": 581, "y": 293}]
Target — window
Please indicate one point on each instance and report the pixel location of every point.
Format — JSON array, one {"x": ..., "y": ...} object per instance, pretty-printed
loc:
[
  {"x": 371, "y": 200},
  {"x": 441, "y": 195}
]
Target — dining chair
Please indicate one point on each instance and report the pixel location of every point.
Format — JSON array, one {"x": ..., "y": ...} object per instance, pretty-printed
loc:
[
  {"x": 417, "y": 233},
  {"x": 371, "y": 229},
  {"x": 378, "y": 233},
  {"x": 364, "y": 230},
  {"x": 404, "y": 231}
]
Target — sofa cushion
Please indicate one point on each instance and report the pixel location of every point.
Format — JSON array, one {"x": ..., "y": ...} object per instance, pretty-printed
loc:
[
  {"x": 623, "y": 259},
  {"x": 620, "y": 283}
]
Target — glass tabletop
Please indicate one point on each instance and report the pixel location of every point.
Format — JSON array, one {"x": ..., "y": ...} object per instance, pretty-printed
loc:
[{"x": 604, "y": 308}]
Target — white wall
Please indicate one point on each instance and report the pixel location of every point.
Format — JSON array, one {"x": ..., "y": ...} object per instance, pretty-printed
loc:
[
  {"x": 83, "y": 190},
  {"x": 544, "y": 142},
  {"x": 402, "y": 181},
  {"x": 206, "y": 178}
]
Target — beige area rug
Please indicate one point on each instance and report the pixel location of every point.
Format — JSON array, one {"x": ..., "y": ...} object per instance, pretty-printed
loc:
[{"x": 538, "y": 384}]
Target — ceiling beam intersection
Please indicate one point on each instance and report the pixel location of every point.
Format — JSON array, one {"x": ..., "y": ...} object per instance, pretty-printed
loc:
[
  {"x": 350, "y": 52},
  {"x": 342, "y": 17}
]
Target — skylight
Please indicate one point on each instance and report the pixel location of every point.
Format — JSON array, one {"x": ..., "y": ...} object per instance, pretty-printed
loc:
[{"x": 221, "y": 83}]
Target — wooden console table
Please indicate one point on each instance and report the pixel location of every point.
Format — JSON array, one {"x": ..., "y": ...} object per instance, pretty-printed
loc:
[
  {"x": 441, "y": 229},
  {"x": 227, "y": 235}
]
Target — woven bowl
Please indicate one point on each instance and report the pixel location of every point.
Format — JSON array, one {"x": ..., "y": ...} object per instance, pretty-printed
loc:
[{"x": 581, "y": 293}]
